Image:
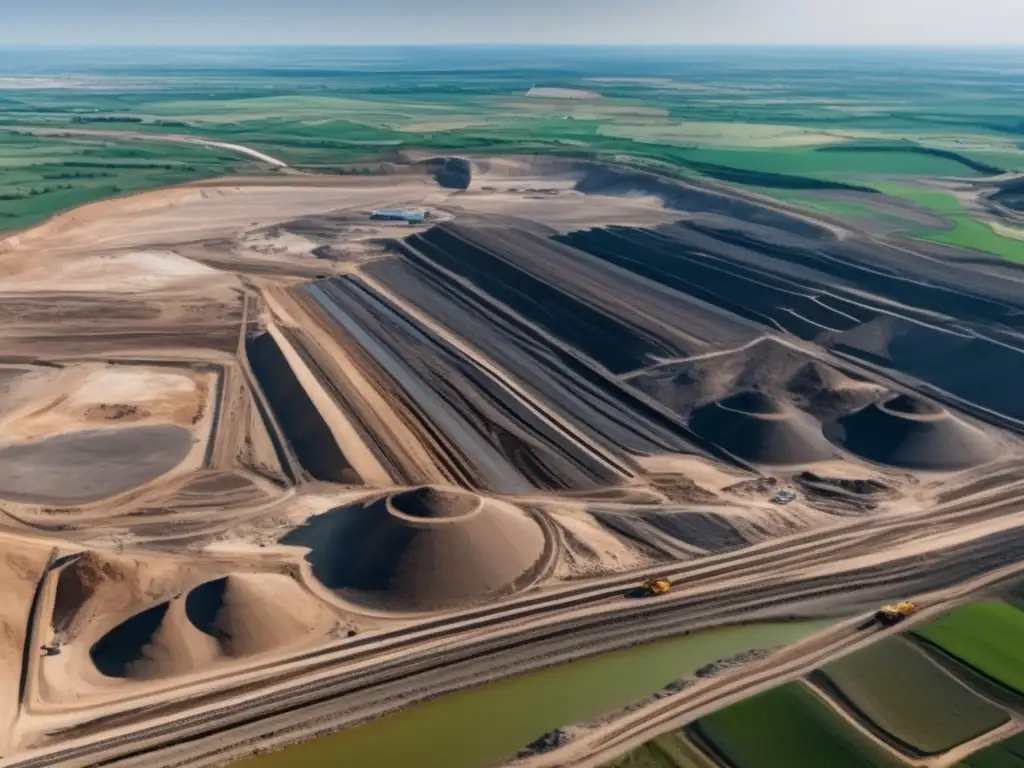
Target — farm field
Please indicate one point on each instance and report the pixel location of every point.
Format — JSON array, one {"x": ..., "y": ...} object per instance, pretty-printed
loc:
[
  {"x": 788, "y": 726},
  {"x": 43, "y": 175},
  {"x": 987, "y": 636},
  {"x": 965, "y": 232},
  {"x": 899, "y": 690},
  {"x": 673, "y": 750},
  {"x": 762, "y": 122},
  {"x": 1006, "y": 754}
]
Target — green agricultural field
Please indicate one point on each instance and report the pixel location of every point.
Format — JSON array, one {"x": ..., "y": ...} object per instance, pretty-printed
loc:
[
  {"x": 837, "y": 208},
  {"x": 967, "y": 233},
  {"x": 961, "y": 230},
  {"x": 672, "y": 750},
  {"x": 781, "y": 122},
  {"x": 1006, "y": 754},
  {"x": 42, "y": 175},
  {"x": 899, "y": 690},
  {"x": 1016, "y": 596},
  {"x": 987, "y": 636},
  {"x": 862, "y": 213},
  {"x": 827, "y": 162},
  {"x": 788, "y": 726}
]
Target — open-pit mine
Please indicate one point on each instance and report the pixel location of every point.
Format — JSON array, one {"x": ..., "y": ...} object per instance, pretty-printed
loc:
[{"x": 272, "y": 466}]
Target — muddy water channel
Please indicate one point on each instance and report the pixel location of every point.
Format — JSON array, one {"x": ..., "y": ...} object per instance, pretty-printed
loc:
[{"x": 480, "y": 726}]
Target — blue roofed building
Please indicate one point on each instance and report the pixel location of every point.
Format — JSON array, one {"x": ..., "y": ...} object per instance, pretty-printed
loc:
[{"x": 399, "y": 214}]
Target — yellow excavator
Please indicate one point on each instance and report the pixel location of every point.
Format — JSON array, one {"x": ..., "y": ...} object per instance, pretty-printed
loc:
[
  {"x": 658, "y": 585},
  {"x": 888, "y": 615}
]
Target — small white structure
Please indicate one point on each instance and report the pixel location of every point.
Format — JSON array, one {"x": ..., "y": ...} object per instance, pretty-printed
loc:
[{"x": 399, "y": 214}]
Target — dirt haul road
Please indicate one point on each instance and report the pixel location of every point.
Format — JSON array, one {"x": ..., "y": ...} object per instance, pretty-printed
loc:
[
  {"x": 375, "y": 462},
  {"x": 133, "y": 135}
]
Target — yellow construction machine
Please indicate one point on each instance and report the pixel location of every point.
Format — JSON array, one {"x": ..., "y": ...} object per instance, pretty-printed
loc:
[
  {"x": 658, "y": 585},
  {"x": 888, "y": 615}
]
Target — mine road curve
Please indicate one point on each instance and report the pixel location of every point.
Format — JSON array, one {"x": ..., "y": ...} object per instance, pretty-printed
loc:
[
  {"x": 347, "y": 683},
  {"x": 143, "y": 136}
]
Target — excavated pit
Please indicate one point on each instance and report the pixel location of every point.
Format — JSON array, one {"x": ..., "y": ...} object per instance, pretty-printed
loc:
[{"x": 435, "y": 503}]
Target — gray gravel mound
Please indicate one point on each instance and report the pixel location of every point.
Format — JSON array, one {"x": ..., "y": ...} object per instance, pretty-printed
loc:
[
  {"x": 762, "y": 430},
  {"x": 451, "y": 172},
  {"x": 913, "y": 436}
]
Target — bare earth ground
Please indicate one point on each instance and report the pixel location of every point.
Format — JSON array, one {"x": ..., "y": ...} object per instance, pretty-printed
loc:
[{"x": 258, "y": 451}]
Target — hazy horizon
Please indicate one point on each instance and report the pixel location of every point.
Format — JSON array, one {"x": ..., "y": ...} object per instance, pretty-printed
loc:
[
  {"x": 517, "y": 44},
  {"x": 931, "y": 23}
]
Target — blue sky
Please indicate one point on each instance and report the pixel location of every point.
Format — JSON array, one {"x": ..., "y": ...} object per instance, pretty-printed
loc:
[{"x": 344, "y": 22}]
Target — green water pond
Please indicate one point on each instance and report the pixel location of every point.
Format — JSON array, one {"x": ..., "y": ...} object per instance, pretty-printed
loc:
[{"x": 482, "y": 725}]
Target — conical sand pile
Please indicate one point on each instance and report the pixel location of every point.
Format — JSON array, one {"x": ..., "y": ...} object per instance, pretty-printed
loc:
[
  {"x": 235, "y": 616},
  {"x": 423, "y": 549},
  {"x": 762, "y": 429},
  {"x": 913, "y": 433},
  {"x": 176, "y": 648},
  {"x": 254, "y": 613},
  {"x": 157, "y": 643}
]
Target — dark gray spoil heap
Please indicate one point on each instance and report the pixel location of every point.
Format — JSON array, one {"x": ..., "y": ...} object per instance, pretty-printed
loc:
[{"x": 451, "y": 172}]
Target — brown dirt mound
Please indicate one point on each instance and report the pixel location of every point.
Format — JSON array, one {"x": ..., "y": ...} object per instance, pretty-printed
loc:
[
  {"x": 158, "y": 643},
  {"x": 754, "y": 403},
  {"x": 78, "y": 584},
  {"x": 232, "y": 617},
  {"x": 254, "y": 613},
  {"x": 761, "y": 429},
  {"x": 95, "y": 585},
  {"x": 425, "y": 549},
  {"x": 908, "y": 432}
]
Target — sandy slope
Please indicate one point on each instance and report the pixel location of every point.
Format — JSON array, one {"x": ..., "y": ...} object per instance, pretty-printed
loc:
[{"x": 21, "y": 567}]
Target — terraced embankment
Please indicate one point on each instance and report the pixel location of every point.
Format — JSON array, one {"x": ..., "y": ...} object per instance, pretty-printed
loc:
[
  {"x": 512, "y": 446},
  {"x": 824, "y": 292},
  {"x": 304, "y": 427}
]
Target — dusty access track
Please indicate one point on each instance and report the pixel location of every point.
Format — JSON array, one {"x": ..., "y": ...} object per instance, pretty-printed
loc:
[{"x": 269, "y": 468}]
